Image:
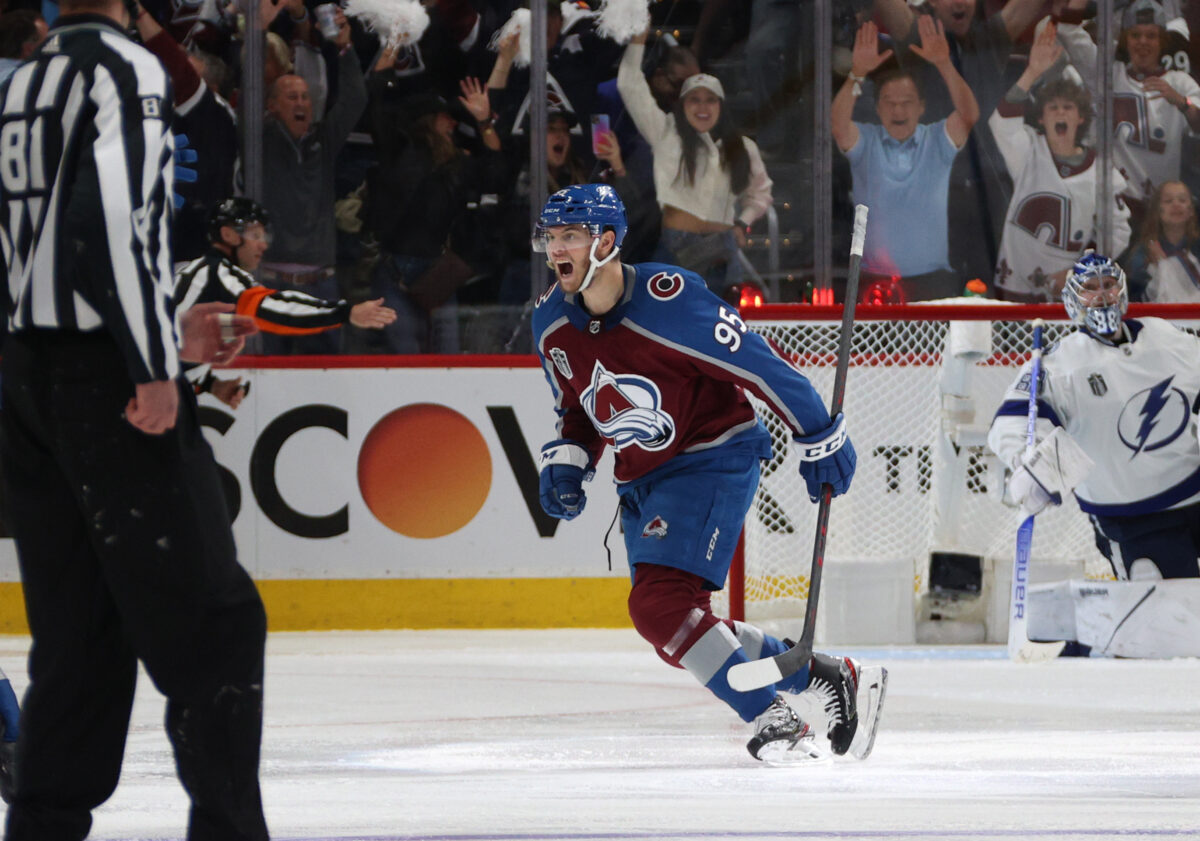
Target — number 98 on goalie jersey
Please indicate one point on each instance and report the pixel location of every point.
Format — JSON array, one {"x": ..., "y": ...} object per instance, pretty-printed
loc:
[
  {"x": 662, "y": 374},
  {"x": 1131, "y": 407}
]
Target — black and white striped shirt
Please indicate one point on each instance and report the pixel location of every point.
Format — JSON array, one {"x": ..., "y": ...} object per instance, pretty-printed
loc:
[
  {"x": 86, "y": 177},
  {"x": 215, "y": 277}
]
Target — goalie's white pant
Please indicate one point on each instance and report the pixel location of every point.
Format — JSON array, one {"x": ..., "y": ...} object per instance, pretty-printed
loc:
[{"x": 1143, "y": 619}]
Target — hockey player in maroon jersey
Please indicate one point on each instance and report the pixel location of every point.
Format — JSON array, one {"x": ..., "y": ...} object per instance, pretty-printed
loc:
[{"x": 645, "y": 360}]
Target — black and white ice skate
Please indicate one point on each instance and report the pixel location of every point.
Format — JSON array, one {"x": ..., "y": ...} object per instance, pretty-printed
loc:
[
  {"x": 782, "y": 738},
  {"x": 852, "y": 695}
]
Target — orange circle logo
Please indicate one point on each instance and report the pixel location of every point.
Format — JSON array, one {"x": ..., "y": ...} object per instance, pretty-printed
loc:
[{"x": 424, "y": 470}]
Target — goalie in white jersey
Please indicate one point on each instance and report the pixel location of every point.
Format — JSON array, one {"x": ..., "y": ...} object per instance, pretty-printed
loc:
[
  {"x": 1117, "y": 425},
  {"x": 1052, "y": 216}
]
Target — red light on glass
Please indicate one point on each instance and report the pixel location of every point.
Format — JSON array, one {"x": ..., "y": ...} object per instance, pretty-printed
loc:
[
  {"x": 751, "y": 296},
  {"x": 883, "y": 292}
]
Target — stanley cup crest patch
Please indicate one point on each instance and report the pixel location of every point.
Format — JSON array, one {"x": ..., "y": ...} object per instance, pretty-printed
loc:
[{"x": 559, "y": 357}]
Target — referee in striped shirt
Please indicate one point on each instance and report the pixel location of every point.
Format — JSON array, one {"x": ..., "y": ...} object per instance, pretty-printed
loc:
[{"x": 122, "y": 535}]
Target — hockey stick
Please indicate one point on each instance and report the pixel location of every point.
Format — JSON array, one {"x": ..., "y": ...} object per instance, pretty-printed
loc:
[
  {"x": 1020, "y": 649},
  {"x": 754, "y": 674}
]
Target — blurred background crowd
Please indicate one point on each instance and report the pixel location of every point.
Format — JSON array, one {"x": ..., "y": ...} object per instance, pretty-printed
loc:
[{"x": 739, "y": 133}]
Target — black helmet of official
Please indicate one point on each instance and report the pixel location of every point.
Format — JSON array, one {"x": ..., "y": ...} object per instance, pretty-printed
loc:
[{"x": 236, "y": 213}]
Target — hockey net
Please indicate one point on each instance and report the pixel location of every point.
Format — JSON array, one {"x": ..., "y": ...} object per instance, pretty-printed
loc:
[{"x": 922, "y": 387}]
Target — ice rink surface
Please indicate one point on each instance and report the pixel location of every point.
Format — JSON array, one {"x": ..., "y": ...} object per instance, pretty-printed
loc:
[{"x": 524, "y": 735}]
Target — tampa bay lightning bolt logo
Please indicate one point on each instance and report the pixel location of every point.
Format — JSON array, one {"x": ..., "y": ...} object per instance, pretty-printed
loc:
[
  {"x": 1154, "y": 417},
  {"x": 627, "y": 409}
]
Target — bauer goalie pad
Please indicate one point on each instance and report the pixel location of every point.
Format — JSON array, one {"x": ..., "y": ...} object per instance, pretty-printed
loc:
[
  {"x": 1054, "y": 468},
  {"x": 1134, "y": 619}
]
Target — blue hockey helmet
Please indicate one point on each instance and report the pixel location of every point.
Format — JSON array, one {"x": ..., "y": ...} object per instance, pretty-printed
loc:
[
  {"x": 1095, "y": 294},
  {"x": 596, "y": 207}
]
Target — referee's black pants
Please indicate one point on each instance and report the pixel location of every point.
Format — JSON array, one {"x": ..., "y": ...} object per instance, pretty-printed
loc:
[{"x": 126, "y": 553}]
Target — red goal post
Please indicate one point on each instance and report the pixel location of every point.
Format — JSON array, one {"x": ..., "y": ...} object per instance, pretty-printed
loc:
[{"x": 923, "y": 384}]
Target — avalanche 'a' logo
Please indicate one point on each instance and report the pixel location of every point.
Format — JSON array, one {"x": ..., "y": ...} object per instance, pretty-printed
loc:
[
  {"x": 1154, "y": 417},
  {"x": 627, "y": 409}
]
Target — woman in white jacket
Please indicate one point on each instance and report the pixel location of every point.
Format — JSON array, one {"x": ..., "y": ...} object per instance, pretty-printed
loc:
[{"x": 710, "y": 180}]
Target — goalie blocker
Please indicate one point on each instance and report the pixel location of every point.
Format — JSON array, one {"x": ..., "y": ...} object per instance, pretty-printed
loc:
[{"x": 1051, "y": 471}]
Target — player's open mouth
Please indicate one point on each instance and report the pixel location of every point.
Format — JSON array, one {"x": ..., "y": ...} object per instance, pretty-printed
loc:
[
  {"x": 565, "y": 269},
  {"x": 558, "y": 148},
  {"x": 1060, "y": 128}
]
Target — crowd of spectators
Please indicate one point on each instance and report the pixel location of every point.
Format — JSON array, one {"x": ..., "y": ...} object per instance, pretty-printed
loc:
[{"x": 404, "y": 173}]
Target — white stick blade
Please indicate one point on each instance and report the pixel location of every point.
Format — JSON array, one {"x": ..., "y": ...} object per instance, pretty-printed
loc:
[
  {"x": 1035, "y": 652},
  {"x": 755, "y": 674}
]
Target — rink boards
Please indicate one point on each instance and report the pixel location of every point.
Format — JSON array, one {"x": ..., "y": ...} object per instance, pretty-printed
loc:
[{"x": 406, "y": 497}]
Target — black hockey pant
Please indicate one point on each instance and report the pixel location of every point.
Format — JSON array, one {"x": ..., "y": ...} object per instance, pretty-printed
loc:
[{"x": 126, "y": 553}]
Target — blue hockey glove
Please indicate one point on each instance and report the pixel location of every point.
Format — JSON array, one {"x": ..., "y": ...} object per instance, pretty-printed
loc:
[
  {"x": 184, "y": 155},
  {"x": 10, "y": 718},
  {"x": 827, "y": 457},
  {"x": 562, "y": 470}
]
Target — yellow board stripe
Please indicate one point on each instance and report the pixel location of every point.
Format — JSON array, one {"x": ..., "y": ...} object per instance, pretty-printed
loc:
[{"x": 418, "y": 603}]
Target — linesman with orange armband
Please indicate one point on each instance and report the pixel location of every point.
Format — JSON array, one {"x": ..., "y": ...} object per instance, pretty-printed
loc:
[{"x": 239, "y": 232}]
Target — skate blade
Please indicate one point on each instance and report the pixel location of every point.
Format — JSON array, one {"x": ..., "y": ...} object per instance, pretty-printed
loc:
[
  {"x": 872, "y": 689},
  {"x": 783, "y": 754}
]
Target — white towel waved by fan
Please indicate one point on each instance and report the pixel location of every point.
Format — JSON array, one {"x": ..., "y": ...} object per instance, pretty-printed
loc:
[
  {"x": 621, "y": 20},
  {"x": 398, "y": 22},
  {"x": 618, "y": 20}
]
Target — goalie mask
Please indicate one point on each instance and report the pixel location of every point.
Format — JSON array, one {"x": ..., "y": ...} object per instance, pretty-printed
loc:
[
  {"x": 596, "y": 207},
  {"x": 1095, "y": 294}
]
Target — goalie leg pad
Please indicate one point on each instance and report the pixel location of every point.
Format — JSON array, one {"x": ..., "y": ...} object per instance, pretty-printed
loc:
[
  {"x": 1135, "y": 619},
  {"x": 1052, "y": 613}
]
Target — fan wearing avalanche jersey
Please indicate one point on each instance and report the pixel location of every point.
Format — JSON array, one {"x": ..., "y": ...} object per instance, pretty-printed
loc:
[
  {"x": 1052, "y": 215},
  {"x": 1152, "y": 107},
  {"x": 1119, "y": 396},
  {"x": 644, "y": 360}
]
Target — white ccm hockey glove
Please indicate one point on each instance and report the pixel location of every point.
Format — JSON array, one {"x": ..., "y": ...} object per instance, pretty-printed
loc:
[{"x": 1053, "y": 469}]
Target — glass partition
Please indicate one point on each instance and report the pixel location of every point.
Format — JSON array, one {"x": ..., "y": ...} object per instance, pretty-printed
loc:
[{"x": 739, "y": 135}]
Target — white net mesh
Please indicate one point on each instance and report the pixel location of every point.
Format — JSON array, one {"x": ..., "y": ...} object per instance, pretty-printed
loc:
[{"x": 924, "y": 471}]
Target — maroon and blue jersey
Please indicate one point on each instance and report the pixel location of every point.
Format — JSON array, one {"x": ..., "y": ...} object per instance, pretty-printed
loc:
[{"x": 664, "y": 373}]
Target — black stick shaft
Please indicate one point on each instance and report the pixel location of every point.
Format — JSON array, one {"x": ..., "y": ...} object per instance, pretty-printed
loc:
[
  {"x": 805, "y": 644},
  {"x": 754, "y": 674}
]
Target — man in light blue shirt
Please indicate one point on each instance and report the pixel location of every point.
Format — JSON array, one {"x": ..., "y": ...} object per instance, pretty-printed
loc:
[{"x": 902, "y": 168}]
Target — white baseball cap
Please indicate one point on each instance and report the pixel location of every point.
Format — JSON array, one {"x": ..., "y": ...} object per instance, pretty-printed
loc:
[{"x": 702, "y": 80}]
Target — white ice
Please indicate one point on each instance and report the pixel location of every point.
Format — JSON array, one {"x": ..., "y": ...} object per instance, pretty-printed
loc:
[{"x": 465, "y": 735}]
